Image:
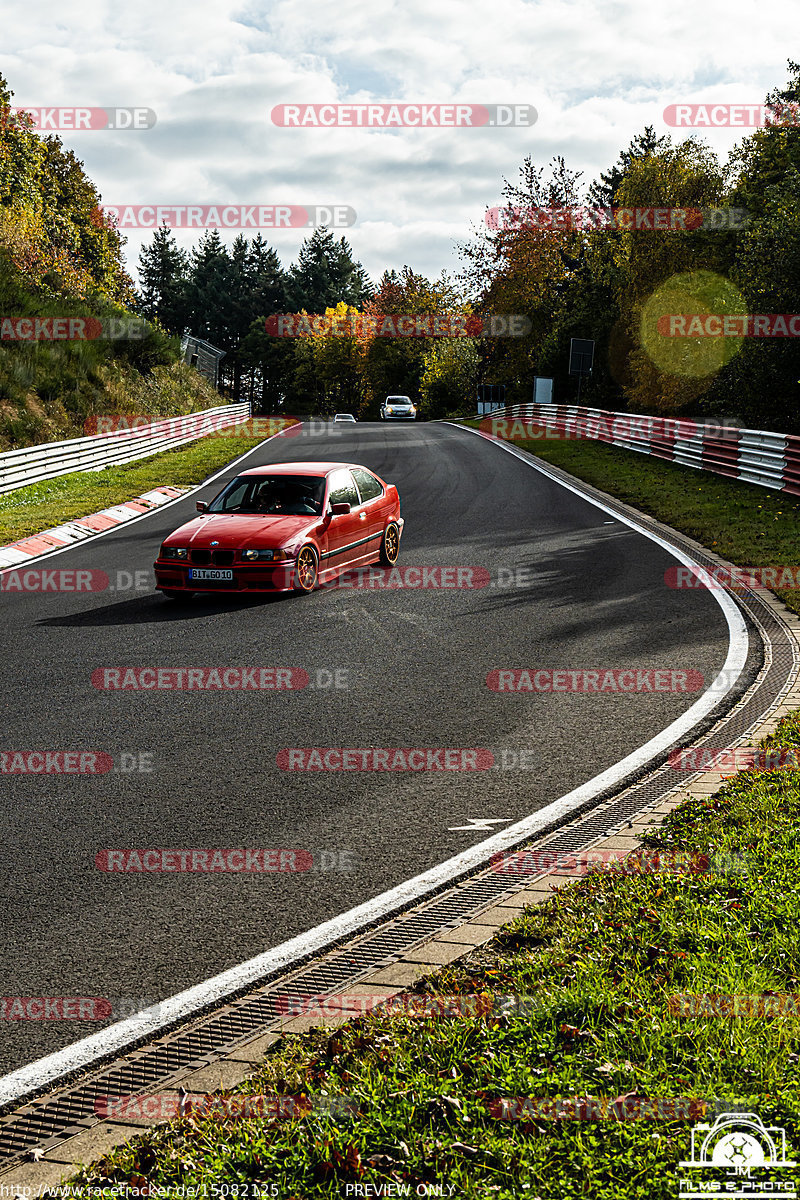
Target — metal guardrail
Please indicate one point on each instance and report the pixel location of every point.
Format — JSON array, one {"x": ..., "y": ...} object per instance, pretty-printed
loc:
[
  {"x": 753, "y": 455},
  {"x": 32, "y": 464}
]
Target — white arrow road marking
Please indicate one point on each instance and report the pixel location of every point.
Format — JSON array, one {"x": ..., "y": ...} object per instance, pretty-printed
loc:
[{"x": 480, "y": 824}]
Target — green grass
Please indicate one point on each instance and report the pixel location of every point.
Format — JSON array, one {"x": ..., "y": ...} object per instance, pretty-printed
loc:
[
  {"x": 747, "y": 525},
  {"x": 42, "y": 505},
  {"x": 597, "y": 964}
]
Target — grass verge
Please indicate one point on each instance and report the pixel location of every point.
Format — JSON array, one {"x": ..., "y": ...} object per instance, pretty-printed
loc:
[
  {"x": 748, "y": 525},
  {"x": 43, "y": 505},
  {"x": 597, "y": 966}
]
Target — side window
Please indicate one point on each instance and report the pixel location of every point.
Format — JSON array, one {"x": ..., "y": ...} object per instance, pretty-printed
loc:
[
  {"x": 368, "y": 485},
  {"x": 343, "y": 490},
  {"x": 234, "y": 495}
]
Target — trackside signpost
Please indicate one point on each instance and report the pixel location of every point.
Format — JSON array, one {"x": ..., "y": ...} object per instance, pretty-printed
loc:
[{"x": 581, "y": 357}]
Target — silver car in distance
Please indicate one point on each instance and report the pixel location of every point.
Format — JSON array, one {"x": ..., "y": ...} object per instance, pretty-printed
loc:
[{"x": 398, "y": 408}]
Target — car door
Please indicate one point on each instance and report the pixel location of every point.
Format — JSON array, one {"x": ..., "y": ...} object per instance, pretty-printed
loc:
[
  {"x": 373, "y": 505},
  {"x": 347, "y": 533}
]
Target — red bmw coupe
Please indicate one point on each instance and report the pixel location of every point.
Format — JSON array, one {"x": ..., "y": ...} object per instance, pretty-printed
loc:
[{"x": 283, "y": 527}]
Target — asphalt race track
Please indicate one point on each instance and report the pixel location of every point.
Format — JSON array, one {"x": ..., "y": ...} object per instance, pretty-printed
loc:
[{"x": 591, "y": 594}]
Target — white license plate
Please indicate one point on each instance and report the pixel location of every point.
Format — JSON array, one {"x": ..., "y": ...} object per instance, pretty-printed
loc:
[{"x": 206, "y": 573}]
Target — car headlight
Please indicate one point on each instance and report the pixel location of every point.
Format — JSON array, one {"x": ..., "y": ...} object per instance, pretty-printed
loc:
[
  {"x": 174, "y": 552},
  {"x": 264, "y": 555}
]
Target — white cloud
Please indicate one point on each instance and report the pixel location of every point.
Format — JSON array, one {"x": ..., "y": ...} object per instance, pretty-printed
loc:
[{"x": 596, "y": 72}]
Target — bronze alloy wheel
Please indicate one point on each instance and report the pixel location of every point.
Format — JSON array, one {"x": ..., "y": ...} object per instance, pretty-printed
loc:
[
  {"x": 390, "y": 546},
  {"x": 306, "y": 570}
]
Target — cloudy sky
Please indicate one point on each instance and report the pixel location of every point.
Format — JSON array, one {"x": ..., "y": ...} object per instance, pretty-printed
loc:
[{"x": 213, "y": 70}]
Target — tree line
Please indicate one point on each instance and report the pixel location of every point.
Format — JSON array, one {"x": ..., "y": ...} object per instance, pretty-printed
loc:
[
  {"x": 608, "y": 283},
  {"x": 613, "y": 285}
]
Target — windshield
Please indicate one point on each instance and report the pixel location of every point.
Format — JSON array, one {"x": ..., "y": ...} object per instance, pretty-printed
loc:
[{"x": 276, "y": 495}]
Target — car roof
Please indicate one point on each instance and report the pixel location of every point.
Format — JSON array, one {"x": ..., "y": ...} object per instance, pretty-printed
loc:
[{"x": 301, "y": 468}]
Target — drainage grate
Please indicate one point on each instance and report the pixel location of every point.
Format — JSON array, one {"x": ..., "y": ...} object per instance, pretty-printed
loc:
[{"x": 53, "y": 1118}]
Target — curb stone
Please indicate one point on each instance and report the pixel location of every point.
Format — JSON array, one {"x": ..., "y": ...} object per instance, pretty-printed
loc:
[{"x": 17, "y": 553}]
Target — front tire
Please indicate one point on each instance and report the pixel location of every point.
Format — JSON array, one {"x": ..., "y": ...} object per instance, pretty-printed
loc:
[
  {"x": 390, "y": 545},
  {"x": 306, "y": 571}
]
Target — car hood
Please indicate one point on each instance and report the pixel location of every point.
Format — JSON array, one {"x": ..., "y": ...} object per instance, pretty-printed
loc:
[{"x": 235, "y": 532}]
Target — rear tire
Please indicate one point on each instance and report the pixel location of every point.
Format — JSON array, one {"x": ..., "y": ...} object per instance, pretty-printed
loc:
[
  {"x": 390, "y": 545},
  {"x": 306, "y": 571}
]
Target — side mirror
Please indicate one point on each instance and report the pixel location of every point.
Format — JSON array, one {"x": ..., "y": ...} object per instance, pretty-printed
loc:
[
  {"x": 340, "y": 510},
  {"x": 201, "y": 505}
]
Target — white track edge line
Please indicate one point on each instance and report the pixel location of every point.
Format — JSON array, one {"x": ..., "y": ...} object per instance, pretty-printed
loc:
[{"x": 115, "y": 1038}]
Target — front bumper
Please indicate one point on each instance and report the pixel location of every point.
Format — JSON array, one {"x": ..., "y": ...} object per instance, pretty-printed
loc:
[
  {"x": 399, "y": 416},
  {"x": 173, "y": 576}
]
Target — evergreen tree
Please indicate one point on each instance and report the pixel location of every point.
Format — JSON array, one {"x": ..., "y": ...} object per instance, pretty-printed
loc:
[
  {"x": 209, "y": 291},
  {"x": 603, "y": 193},
  {"x": 240, "y": 312},
  {"x": 326, "y": 274},
  {"x": 269, "y": 360},
  {"x": 266, "y": 279},
  {"x": 163, "y": 272}
]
